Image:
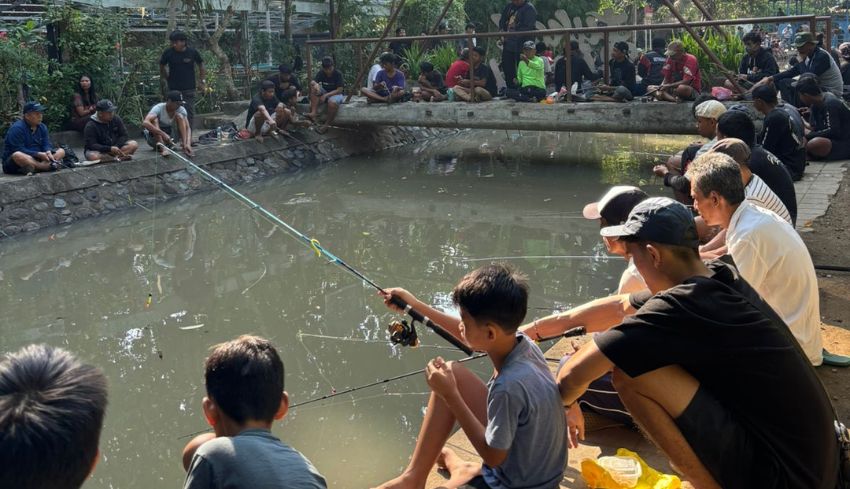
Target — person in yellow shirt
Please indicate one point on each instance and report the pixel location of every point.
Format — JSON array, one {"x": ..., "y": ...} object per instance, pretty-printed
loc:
[{"x": 530, "y": 76}]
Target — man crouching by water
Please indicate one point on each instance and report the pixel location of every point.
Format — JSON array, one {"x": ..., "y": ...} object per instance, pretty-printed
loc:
[
  {"x": 706, "y": 367},
  {"x": 515, "y": 421}
]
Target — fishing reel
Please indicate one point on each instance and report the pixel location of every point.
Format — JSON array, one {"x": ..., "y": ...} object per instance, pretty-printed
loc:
[{"x": 404, "y": 334}]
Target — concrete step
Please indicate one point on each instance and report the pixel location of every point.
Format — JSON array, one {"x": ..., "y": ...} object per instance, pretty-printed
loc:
[{"x": 235, "y": 107}]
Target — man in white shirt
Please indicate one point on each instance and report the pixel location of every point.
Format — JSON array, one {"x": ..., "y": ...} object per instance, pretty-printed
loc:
[
  {"x": 168, "y": 121},
  {"x": 767, "y": 251}
]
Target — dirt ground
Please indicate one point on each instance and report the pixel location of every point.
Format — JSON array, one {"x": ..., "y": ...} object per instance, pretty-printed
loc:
[{"x": 829, "y": 244}]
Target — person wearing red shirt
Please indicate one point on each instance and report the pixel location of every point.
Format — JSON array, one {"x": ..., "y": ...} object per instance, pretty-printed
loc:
[
  {"x": 458, "y": 70},
  {"x": 682, "y": 80}
]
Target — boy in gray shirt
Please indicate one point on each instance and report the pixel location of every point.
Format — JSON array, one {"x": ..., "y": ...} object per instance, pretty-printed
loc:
[
  {"x": 516, "y": 422},
  {"x": 244, "y": 380}
]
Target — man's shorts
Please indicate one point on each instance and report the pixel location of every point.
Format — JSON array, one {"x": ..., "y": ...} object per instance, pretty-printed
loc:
[
  {"x": 840, "y": 150},
  {"x": 252, "y": 128},
  {"x": 337, "y": 99},
  {"x": 732, "y": 454},
  {"x": 11, "y": 168},
  {"x": 170, "y": 130}
]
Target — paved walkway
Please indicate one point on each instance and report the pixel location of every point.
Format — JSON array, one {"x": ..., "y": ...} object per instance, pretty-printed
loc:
[{"x": 814, "y": 191}]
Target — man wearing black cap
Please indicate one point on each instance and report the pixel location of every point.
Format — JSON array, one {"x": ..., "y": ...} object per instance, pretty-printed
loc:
[
  {"x": 517, "y": 16},
  {"x": 814, "y": 60},
  {"x": 284, "y": 80},
  {"x": 177, "y": 69},
  {"x": 326, "y": 88},
  {"x": 27, "y": 147},
  {"x": 168, "y": 121},
  {"x": 580, "y": 70},
  {"x": 705, "y": 367},
  {"x": 106, "y": 137},
  {"x": 829, "y": 138}
]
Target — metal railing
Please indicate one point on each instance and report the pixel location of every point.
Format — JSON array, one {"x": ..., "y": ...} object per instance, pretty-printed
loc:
[{"x": 567, "y": 33}]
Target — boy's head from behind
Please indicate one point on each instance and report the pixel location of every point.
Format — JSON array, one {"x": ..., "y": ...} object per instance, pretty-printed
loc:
[
  {"x": 51, "y": 414},
  {"x": 244, "y": 379},
  {"x": 495, "y": 294}
]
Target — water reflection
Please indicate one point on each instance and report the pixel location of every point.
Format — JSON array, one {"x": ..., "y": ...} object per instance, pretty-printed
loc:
[{"x": 417, "y": 217}]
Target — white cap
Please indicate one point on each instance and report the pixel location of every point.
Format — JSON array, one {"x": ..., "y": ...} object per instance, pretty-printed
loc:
[
  {"x": 624, "y": 198},
  {"x": 710, "y": 109}
]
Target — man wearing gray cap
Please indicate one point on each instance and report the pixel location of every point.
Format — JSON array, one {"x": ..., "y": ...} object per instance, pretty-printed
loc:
[
  {"x": 812, "y": 60},
  {"x": 530, "y": 77},
  {"x": 705, "y": 367}
]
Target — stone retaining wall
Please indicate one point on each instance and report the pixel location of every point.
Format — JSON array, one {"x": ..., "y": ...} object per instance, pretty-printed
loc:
[{"x": 49, "y": 199}]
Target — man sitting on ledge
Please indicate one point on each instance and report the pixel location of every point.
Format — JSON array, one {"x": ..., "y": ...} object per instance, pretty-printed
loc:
[
  {"x": 705, "y": 367},
  {"x": 106, "y": 136},
  {"x": 168, "y": 121},
  {"x": 27, "y": 148},
  {"x": 682, "y": 80},
  {"x": 388, "y": 85}
]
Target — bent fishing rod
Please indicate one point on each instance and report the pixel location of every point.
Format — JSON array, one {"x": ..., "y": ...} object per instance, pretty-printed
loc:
[{"x": 401, "y": 332}]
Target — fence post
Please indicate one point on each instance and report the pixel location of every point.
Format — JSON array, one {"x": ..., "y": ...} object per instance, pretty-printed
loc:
[
  {"x": 568, "y": 66},
  {"x": 472, "y": 97},
  {"x": 606, "y": 56}
]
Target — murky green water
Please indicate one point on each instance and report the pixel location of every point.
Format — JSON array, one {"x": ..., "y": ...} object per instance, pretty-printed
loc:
[{"x": 417, "y": 217}]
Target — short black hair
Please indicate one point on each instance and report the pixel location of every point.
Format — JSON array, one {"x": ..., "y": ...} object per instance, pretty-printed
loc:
[
  {"x": 266, "y": 84},
  {"x": 765, "y": 93},
  {"x": 469, "y": 25},
  {"x": 540, "y": 47},
  {"x": 622, "y": 46},
  {"x": 659, "y": 43},
  {"x": 387, "y": 58},
  {"x": 244, "y": 377},
  {"x": 752, "y": 37},
  {"x": 177, "y": 36},
  {"x": 289, "y": 93},
  {"x": 426, "y": 67},
  {"x": 808, "y": 86},
  {"x": 480, "y": 50},
  {"x": 736, "y": 124},
  {"x": 573, "y": 45},
  {"x": 284, "y": 68},
  {"x": 398, "y": 30},
  {"x": 496, "y": 293},
  {"x": 51, "y": 414}
]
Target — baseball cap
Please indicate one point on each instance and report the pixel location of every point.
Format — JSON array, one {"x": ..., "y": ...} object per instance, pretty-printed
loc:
[
  {"x": 659, "y": 220},
  {"x": 327, "y": 62},
  {"x": 615, "y": 205},
  {"x": 671, "y": 48},
  {"x": 33, "y": 107},
  {"x": 803, "y": 38},
  {"x": 105, "y": 106},
  {"x": 529, "y": 45},
  {"x": 711, "y": 109},
  {"x": 844, "y": 50},
  {"x": 174, "y": 96}
]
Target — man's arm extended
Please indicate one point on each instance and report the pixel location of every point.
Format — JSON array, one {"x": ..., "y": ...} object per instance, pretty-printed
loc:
[{"x": 598, "y": 315}]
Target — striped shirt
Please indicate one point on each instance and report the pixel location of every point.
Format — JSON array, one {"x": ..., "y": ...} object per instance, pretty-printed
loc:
[{"x": 760, "y": 194}]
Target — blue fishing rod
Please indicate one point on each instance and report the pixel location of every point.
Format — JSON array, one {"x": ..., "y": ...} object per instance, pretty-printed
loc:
[{"x": 400, "y": 332}]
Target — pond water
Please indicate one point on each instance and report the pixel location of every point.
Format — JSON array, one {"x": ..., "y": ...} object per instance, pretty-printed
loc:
[{"x": 418, "y": 217}]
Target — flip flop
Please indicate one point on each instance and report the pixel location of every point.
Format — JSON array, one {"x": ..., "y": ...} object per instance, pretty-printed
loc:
[{"x": 834, "y": 360}]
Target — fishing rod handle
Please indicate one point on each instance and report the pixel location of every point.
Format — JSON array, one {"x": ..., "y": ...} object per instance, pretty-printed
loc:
[
  {"x": 577, "y": 331},
  {"x": 417, "y": 316}
]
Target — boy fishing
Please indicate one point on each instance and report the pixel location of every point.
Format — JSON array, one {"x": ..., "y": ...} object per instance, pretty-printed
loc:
[{"x": 516, "y": 421}]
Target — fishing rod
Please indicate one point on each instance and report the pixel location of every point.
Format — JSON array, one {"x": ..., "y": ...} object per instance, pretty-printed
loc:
[
  {"x": 541, "y": 257},
  {"x": 353, "y": 389},
  {"x": 401, "y": 332}
]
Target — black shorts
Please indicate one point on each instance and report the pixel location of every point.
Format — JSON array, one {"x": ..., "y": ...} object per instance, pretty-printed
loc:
[
  {"x": 840, "y": 150},
  {"x": 11, "y": 168},
  {"x": 477, "y": 482},
  {"x": 728, "y": 450}
]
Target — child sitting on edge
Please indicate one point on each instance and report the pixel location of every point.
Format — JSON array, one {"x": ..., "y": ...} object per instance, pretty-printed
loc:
[
  {"x": 244, "y": 380},
  {"x": 516, "y": 421},
  {"x": 389, "y": 82}
]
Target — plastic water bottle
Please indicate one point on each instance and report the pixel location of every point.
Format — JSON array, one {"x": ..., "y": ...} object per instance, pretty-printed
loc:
[
  {"x": 451, "y": 95},
  {"x": 219, "y": 134}
]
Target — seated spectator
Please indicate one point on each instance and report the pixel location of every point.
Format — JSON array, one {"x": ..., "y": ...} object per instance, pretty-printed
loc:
[
  {"x": 283, "y": 81},
  {"x": 106, "y": 136},
  {"x": 548, "y": 63},
  {"x": 82, "y": 105},
  {"x": 458, "y": 69},
  {"x": 579, "y": 69},
  {"x": 682, "y": 79},
  {"x": 265, "y": 112},
  {"x": 622, "y": 72},
  {"x": 782, "y": 131},
  {"x": 516, "y": 421},
  {"x": 530, "y": 76},
  {"x": 485, "y": 83},
  {"x": 431, "y": 84},
  {"x": 738, "y": 125},
  {"x": 290, "y": 111},
  {"x": 51, "y": 415},
  {"x": 706, "y": 355},
  {"x": 766, "y": 249},
  {"x": 829, "y": 138},
  {"x": 373, "y": 70},
  {"x": 245, "y": 395},
  {"x": 756, "y": 64},
  {"x": 27, "y": 147},
  {"x": 168, "y": 121},
  {"x": 814, "y": 60},
  {"x": 707, "y": 114},
  {"x": 650, "y": 66},
  {"x": 326, "y": 88},
  {"x": 389, "y": 82},
  {"x": 844, "y": 67}
]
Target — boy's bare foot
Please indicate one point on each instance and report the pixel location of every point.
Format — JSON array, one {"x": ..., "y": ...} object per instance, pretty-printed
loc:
[
  {"x": 404, "y": 481},
  {"x": 460, "y": 471},
  {"x": 164, "y": 153}
]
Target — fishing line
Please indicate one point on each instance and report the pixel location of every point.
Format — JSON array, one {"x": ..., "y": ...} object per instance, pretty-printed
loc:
[
  {"x": 320, "y": 251},
  {"x": 542, "y": 257},
  {"x": 364, "y": 340}
]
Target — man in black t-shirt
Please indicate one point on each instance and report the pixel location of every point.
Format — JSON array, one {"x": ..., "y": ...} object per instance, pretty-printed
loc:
[
  {"x": 326, "y": 88},
  {"x": 266, "y": 113},
  {"x": 707, "y": 369},
  {"x": 283, "y": 81},
  {"x": 781, "y": 134},
  {"x": 431, "y": 84},
  {"x": 177, "y": 68},
  {"x": 758, "y": 63},
  {"x": 623, "y": 81},
  {"x": 829, "y": 138},
  {"x": 485, "y": 82}
]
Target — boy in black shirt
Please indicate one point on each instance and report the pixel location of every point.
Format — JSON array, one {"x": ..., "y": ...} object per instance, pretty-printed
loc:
[
  {"x": 485, "y": 82},
  {"x": 758, "y": 63},
  {"x": 431, "y": 83},
  {"x": 580, "y": 69},
  {"x": 283, "y": 81},
  {"x": 181, "y": 60},
  {"x": 266, "y": 112},
  {"x": 326, "y": 88},
  {"x": 706, "y": 367},
  {"x": 829, "y": 138},
  {"x": 780, "y": 134}
]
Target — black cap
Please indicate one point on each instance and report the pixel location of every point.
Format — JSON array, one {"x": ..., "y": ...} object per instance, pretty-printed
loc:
[
  {"x": 33, "y": 107},
  {"x": 327, "y": 62},
  {"x": 284, "y": 69},
  {"x": 660, "y": 220},
  {"x": 615, "y": 205},
  {"x": 174, "y": 96},
  {"x": 105, "y": 106},
  {"x": 178, "y": 36}
]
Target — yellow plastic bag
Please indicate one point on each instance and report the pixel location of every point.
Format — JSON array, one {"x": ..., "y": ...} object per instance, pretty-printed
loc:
[{"x": 597, "y": 476}]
